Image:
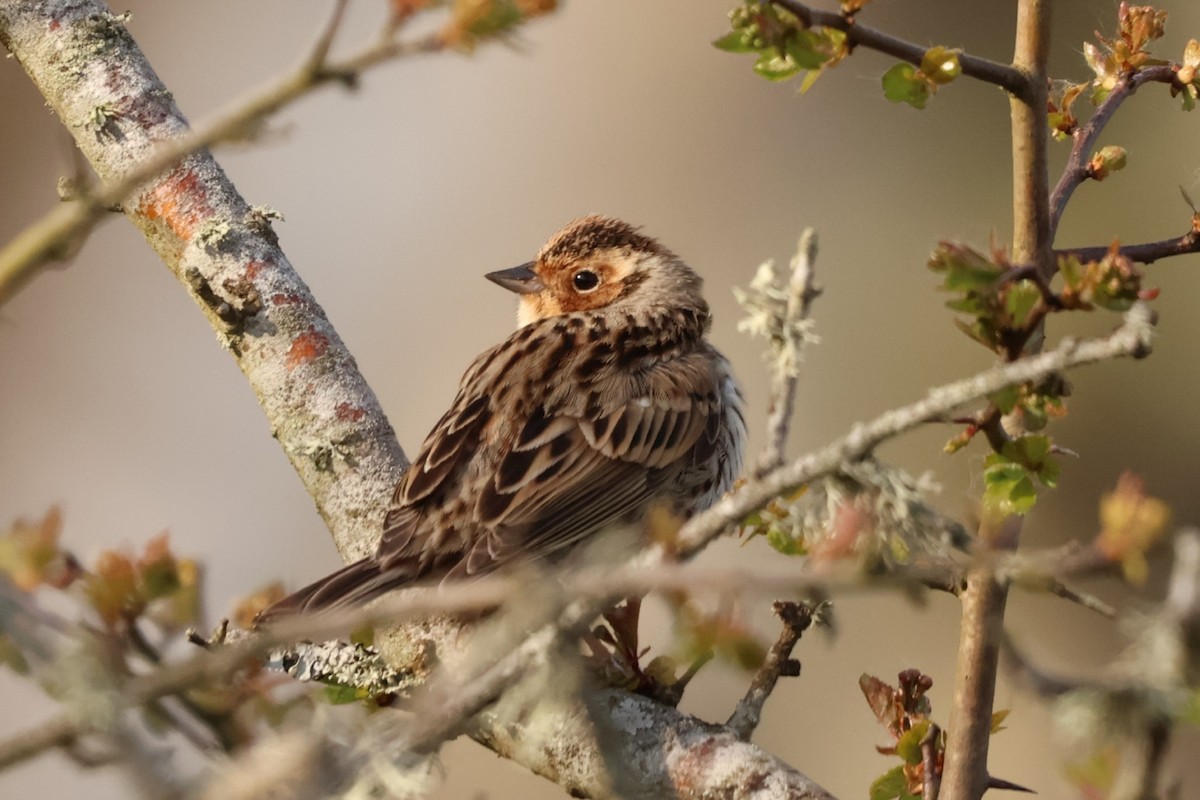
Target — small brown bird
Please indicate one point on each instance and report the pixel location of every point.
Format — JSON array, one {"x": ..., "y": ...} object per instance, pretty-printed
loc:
[{"x": 606, "y": 400}]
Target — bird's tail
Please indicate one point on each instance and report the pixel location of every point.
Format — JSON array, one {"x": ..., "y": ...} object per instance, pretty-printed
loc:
[{"x": 352, "y": 586}]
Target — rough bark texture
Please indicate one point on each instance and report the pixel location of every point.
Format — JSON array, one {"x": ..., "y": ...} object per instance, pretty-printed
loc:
[
  {"x": 91, "y": 72},
  {"x": 326, "y": 418}
]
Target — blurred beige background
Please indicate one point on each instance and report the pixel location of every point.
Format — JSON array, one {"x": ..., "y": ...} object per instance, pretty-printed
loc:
[{"x": 119, "y": 406}]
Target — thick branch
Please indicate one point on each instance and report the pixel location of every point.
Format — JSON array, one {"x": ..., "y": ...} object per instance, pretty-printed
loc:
[
  {"x": 1084, "y": 138},
  {"x": 57, "y": 233},
  {"x": 1002, "y": 75},
  {"x": 326, "y": 418}
]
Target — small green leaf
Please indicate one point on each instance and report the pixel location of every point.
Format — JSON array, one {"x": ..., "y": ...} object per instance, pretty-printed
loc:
[
  {"x": 1007, "y": 487},
  {"x": 784, "y": 542},
  {"x": 909, "y": 745},
  {"x": 1006, "y": 399},
  {"x": 1022, "y": 297},
  {"x": 807, "y": 49},
  {"x": 339, "y": 695},
  {"x": 998, "y": 720},
  {"x": 738, "y": 41},
  {"x": 902, "y": 84},
  {"x": 775, "y": 67},
  {"x": 891, "y": 785}
]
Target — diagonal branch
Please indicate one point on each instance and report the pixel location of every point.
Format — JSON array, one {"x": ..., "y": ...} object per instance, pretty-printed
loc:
[
  {"x": 1133, "y": 338},
  {"x": 796, "y": 617},
  {"x": 1084, "y": 138},
  {"x": 1006, "y": 77}
]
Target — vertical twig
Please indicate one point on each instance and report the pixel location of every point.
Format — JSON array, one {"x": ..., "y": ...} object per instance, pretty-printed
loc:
[
  {"x": 931, "y": 777},
  {"x": 983, "y": 600},
  {"x": 801, "y": 291}
]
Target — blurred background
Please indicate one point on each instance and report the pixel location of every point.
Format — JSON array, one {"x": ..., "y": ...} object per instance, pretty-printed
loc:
[{"x": 118, "y": 405}]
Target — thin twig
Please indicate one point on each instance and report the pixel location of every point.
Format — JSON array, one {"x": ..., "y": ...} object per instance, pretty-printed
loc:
[
  {"x": 1133, "y": 338},
  {"x": 1002, "y": 75},
  {"x": 1144, "y": 253},
  {"x": 931, "y": 773},
  {"x": 57, "y": 233},
  {"x": 801, "y": 292},
  {"x": 796, "y": 618},
  {"x": 1083, "y": 138}
]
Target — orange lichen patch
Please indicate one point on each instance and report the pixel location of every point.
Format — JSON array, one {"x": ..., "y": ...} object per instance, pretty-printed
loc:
[
  {"x": 180, "y": 201},
  {"x": 281, "y": 299},
  {"x": 348, "y": 412},
  {"x": 254, "y": 267},
  {"x": 306, "y": 347}
]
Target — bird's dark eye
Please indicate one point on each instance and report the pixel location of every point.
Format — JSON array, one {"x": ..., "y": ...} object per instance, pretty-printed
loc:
[{"x": 586, "y": 280}]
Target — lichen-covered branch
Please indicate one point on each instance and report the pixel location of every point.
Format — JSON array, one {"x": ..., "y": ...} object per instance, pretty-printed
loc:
[
  {"x": 1133, "y": 338},
  {"x": 328, "y": 421},
  {"x": 780, "y": 314}
]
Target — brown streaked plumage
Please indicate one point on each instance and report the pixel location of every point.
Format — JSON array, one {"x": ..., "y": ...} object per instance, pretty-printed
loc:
[{"x": 606, "y": 400}]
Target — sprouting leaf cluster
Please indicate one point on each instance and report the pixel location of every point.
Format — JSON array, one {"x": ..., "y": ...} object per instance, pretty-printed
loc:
[
  {"x": 787, "y": 46},
  {"x": 784, "y": 46},
  {"x": 905, "y": 712}
]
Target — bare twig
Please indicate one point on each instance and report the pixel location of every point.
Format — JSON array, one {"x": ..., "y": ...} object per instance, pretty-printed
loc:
[
  {"x": 1083, "y": 138},
  {"x": 931, "y": 771},
  {"x": 801, "y": 291},
  {"x": 1002, "y": 75},
  {"x": 796, "y": 618},
  {"x": 1143, "y": 253}
]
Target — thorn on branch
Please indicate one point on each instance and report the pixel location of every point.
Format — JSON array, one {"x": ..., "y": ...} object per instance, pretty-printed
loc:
[{"x": 796, "y": 617}]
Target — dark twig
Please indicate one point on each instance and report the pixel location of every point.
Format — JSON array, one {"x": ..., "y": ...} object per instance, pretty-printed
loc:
[
  {"x": 1002, "y": 75},
  {"x": 779, "y": 662},
  {"x": 930, "y": 768},
  {"x": 1083, "y": 138},
  {"x": 1144, "y": 253}
]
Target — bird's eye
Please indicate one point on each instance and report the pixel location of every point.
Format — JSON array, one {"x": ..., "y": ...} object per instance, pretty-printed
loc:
[{"x": 586, "y": 280}]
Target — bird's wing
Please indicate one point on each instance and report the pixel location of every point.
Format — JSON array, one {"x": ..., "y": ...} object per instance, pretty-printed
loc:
[
  {"x": 595, "y": 462},
  {"x": 527, "y": 481}
]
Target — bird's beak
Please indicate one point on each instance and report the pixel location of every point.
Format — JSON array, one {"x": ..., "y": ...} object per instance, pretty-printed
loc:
[{"x": 522, "y": 279}]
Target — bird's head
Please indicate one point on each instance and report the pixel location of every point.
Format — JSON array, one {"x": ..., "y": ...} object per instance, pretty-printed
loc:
[{"x": 601, "y": 263}]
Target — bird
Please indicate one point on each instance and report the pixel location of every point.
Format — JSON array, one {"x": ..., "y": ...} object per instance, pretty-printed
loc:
[{"x": 607, "y": 400}]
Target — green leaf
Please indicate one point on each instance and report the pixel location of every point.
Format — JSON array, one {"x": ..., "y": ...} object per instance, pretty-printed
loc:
[
  {"x": 808, "y": 49},
  {"x": 1006, "y": 399},
  {"x": 338, "y": 694},
  {"x": 784, "y": 542},
  {"x": 998, "y": 720},
  {"x": 908, "y": 746},
  {"x": 775, "y": 67},
  {"x": 890, "y": 785},
  {"x": 1022, "y": 297},
  {"x": 1007, "y": 487},
  {"x": 902, "y": 84},
  {"x": 738, "y": 41}
]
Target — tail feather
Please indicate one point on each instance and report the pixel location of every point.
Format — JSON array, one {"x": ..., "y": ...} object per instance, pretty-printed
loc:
[{"x": 352, "y": 586}]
